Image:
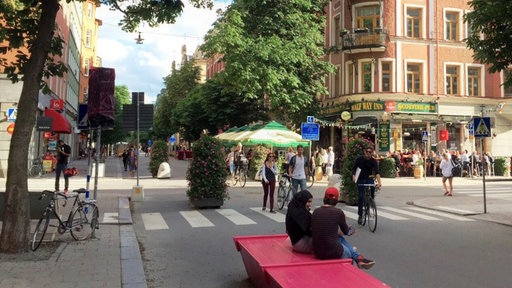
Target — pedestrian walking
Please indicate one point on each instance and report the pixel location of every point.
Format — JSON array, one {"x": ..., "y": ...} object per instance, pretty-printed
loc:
[
  {"x": 125, "y": 157},
  {"x": 268, "y": 175},
  {"x": 298, "y": 170},
  {"x": 446, "y": 167},
  {"x": 132, "y": 160},
  {"x": 63, "y": 153}
]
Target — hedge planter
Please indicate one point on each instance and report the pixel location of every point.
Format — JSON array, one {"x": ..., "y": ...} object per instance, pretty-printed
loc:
[{"x": 206, "y": 203}]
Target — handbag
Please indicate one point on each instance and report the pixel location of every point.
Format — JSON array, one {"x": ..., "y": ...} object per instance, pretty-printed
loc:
[{"x": 456, "y": 169}]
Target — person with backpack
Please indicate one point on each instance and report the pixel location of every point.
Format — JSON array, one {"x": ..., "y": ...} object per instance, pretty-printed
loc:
[{"x": 298, "y": 170}]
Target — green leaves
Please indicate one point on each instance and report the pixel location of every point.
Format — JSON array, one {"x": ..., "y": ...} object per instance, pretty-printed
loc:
[{"x": 490, "y": 24}]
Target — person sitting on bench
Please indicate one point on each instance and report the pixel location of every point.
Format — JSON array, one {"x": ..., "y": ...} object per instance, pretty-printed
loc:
[{"x": 298, "y": 222}]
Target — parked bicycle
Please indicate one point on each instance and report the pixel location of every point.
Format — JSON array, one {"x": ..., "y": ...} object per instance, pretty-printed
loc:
[
  {"x": 284, "y": 190},
  {"x": 370, "y": 207},
  {"x": 81, "y": 222},
  {"x": 36, "y": 170}
]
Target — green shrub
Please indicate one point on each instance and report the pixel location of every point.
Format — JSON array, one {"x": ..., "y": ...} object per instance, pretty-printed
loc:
[
  {"x": 259, "y": 154},
  {"x": 387, "y": 168},
  {"x": 207, "y": 172},
  {"x": 355, "y": 148},
  {"x": 159, "y": 155},
  {"x": 500, "y": 164}
]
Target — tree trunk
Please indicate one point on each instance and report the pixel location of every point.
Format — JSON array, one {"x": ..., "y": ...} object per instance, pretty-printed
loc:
[{"x": 16, "y": 226}]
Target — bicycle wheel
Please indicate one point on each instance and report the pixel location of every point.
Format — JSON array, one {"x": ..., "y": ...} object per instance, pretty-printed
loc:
[
  {"x": 371, "y": 213},
  {"x": 41, "y": 227},
  {"x": 243, "y": 178},
  {"x": 82, "y": 225},
  {"x": 365, "y": 206},
  {"x": 35, "y": 171},
  {"x": 281, "y": 194},
  {"x": 310, "y": 180}
]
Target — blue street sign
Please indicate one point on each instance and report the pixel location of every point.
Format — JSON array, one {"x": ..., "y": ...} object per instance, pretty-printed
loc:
[
  {"x": 150, "y": 142},
  {"x": 482, "y": 127},
  {"x": 310, "y": 131},
  {"x": 172, "y": 139},
  {"x": 424, "y": 136},
  {"x": 83, "y": 119},
  {"x": 310, "y": 119},
  {"x": 11, "y": 114},
  {"x": 471, "y": 128}
]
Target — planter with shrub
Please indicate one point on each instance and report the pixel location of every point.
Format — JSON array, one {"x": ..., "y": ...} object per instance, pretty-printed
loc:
[
  {"x": 159, "y": 155},
  {"x": 207, "y": 174},
  {"x": 500, "y": 165},
  {"x": 387, "y": 168}
]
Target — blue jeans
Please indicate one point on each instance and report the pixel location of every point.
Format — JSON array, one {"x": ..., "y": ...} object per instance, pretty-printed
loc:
[
  {"x": 295, "y": 184},
  {"x": 360, "y": 198},
  {"x": 348, "y": 250}
]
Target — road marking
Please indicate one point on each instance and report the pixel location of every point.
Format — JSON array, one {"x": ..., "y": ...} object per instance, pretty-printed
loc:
[
  {"x": 154, "y": 221},
  {"x": 438, "y": 213},
  {"x": 421, "y": 216},
  {"x": 455, "y": 209},
  {"x": 110, "y": 217},
  {"x": 196, "y": 219},
  {"x": 380, "y": 213},
  {"x": 278, "y": 217},
  {"x": 235, "y": 217}
]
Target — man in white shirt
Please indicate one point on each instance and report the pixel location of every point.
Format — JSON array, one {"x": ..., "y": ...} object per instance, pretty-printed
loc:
[
  {"x": 330, "y": 161},
  {"x": 298, "y": 170}
]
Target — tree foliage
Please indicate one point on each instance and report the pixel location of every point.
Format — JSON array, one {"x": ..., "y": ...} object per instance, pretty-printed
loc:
[
  {"x": 28, "y": 27},
  {"x": 273, "y": 51},
  {"x": 490, "y": 23}
]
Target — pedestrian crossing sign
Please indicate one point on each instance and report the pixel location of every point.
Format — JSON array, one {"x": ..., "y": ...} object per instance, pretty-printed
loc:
[{"x": 482, "y": 127}]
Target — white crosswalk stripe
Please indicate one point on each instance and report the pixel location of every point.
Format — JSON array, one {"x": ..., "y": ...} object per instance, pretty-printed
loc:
[
  {"x": 154, "y": 221},
  {"x": 439, "y": 213},
  {"x": 401, "y": 211},
  {"x": 278, "y": 217},
  {"x": 196, "y": 219},
  {"x": 235, "y": 217},
  {"x": 379, "y": 214}
]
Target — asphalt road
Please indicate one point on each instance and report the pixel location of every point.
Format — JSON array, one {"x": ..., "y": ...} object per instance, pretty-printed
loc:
[{"x": 184, "y": 247}]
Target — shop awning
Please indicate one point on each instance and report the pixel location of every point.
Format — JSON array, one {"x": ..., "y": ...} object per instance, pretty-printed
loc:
[{"x": 60, "y": 123}]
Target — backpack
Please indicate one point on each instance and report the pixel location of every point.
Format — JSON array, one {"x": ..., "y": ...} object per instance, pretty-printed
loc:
[{"x": 306, "y": 162}]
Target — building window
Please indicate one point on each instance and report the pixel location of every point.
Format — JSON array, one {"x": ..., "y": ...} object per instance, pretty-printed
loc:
[
  {"x": 368, "y": 17},
  {"x": 89, "y": 10},
  {"x": 88, "y": 36},
  {"x": 414, "y": 77},
  {"x": 86, "y": 94},
  {"x": 86, "y": 67},
  {"x": 507, "y": 74},
  {"x": 350, "y": 78},
  {"x": 337, "y": 30},
  {"x": 413, "y": 22},
  {"x": 452, "y": 80},
  {"x": 474, "y": 81},
  {"x": 386, "y": 76},
  {"x": 366, "y": 76},
  {"x": 337, "y": 84},
  {"x": 451, "y": 25}
]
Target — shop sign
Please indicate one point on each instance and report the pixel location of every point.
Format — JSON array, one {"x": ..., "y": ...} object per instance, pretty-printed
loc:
[
  {"x": 384, "y": 137},
  {"x": 57, "y": 104},
  {"x": 443, "y": 135},
  {"x": 367, "y": 106},
  {"x": 416, "y": 107}
]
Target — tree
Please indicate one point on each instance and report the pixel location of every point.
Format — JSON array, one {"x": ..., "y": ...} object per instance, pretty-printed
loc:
[
  {"x": 273, "y": 51},
  {"x": 492, "y": 19},
  {"x": 121, "y": 97},
  {"x": 27, "y": 26}
]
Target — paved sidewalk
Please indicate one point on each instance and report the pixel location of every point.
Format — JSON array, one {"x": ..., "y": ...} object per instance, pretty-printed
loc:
[{"x": 113, "y": 259}]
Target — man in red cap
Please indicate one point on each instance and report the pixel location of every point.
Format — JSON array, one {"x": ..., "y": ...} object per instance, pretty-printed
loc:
[{"x": 328, "y": 225}]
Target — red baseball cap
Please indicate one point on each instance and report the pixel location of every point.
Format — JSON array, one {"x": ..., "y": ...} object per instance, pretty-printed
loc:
[{"x": 332, "y": 193}]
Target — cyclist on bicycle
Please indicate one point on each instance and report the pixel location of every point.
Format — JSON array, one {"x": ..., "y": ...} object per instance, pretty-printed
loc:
[{"x": 367, "y": 167}]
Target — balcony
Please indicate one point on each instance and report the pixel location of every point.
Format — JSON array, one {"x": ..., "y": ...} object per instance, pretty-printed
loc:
[{"x": 363, "y": 40}]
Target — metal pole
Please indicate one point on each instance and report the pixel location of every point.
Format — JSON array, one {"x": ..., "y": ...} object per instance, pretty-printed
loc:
[
  {"x": 482, "y": 161},
  {"x": 98, "y": 149},
  {"x": 138, "y": 139}
]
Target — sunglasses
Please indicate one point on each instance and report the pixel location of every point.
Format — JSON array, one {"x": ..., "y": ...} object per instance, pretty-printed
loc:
[{"x": 368, "y": 151}]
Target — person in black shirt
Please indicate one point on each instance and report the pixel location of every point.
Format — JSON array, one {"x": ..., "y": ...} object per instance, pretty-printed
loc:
[
  {"x": 63, "y": 153},
  {"x": 298, "y": 222},
  {"x": 368, "y": 166}
]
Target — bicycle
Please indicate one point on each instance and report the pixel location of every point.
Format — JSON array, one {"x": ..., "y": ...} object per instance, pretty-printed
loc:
[
  {"x": 36, "y": 170},
  {"x": 311, "y": 178},
  {"x": 240, "y": 175},
  {"x": 283, "y": 191},
  {"x": 369, "y": 207},
  {"x": 82, "y": 219}
]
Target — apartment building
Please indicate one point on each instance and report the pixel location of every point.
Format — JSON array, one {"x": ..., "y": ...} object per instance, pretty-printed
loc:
[{"x": 403, "y": 68}]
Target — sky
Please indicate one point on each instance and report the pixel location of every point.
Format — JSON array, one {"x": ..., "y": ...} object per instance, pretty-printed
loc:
[{"x": 142, "y": 67}]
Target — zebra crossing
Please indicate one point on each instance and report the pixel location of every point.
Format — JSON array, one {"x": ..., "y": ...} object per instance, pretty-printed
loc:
[
  {"x": 200, "y": 219},
  {"x": 494, "y": 192}
]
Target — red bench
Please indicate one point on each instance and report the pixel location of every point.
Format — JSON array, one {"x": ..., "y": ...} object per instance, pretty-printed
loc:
[{"x": 270, "y": 262}]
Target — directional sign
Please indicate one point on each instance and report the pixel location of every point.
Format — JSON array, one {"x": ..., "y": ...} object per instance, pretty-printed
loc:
[
  {"x": 11, "y": 114},
  {"x": 310, "y": 119},
  {"x": 471, "y": 128},
  {"x": 310, "y": 131},
  {"x": 83, "y": 119},
  {"x": 424, "y": 136},
  {"x": 172, "y": 139},
  {"x": 482, "y": 127}
]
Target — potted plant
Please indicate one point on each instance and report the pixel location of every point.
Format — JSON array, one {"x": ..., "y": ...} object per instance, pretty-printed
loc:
[
  {"x": 387, "y": 168},
  {"x": 207, "y": 174},
  {"x": 355, "y": 148},
  {"x": 418, "y": 168},
  {"x": 159, "y": 155}
]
